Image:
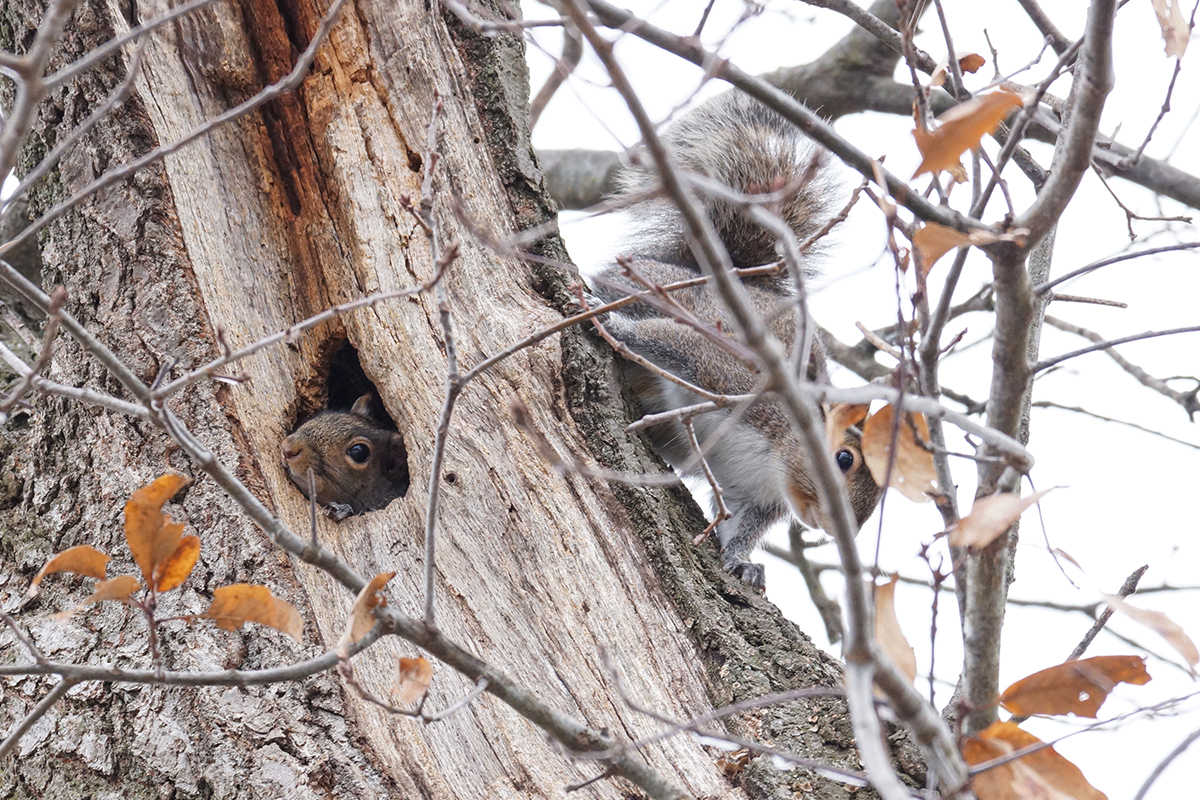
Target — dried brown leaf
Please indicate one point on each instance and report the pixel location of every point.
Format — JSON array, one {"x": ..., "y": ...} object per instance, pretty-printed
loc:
[
  {"x": 243, "y": 602},
  {"x": 913, "y": 473},
  {"x": 1076, "y": 687},
  {"x": 843, "y": 416},
  {"x": 1161, "y": 624},
  {"x": 888, "y": 632},
  {"x": 933, "y": 241},
  {"x": 152, "y": 536},
  {"x": 179, "y": 566},
  {"x": 1174, "y": 26},
  {"x": 990, "y": 517},
  {"x": 119, "y": 588},
  {"x": 413, "y": 676},
  {"x": 82, "y": 560},
  {"x": 1042, "y": 775},
  {"x": 361, "y": 618},
  {"x": 971, "y": 62},
  {"x": 961, "y": 128}
]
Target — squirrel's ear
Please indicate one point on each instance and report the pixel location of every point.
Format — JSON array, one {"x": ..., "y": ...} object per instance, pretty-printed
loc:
[{"x": 362, "y": 406}]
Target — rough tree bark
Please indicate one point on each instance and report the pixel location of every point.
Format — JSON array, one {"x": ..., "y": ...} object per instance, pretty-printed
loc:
[{"x": 260, "y": 224}]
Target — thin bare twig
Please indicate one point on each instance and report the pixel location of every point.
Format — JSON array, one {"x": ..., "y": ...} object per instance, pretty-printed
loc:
[
  {"x": 57, "y": 298},
  {"x": 1095, "y": 265},
  {"x": 1161, "y": 767},
  {"x": 1188, "y": 400},
  {"x": 453, "y": 381},
  {"x": 1134, "y": 425},
  {"x": 1131, "y": 160},
  {"x": 1050, "y": 362},
  {"x": 571, "y": 54},
  {"x": 722, "y": 512},
  {"x": 563, "y": 466},
  {"x": 45, "y": 704}
]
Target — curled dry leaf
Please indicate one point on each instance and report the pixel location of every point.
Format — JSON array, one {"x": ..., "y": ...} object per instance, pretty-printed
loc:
[
  {"x": 361, "y": 618},
  {"x": 412, "y": 680},
  {"x": 1161, "y": 624},
  {"x": 82, "y": 560},
  {"x": 1076, "y": 687},
  {"x": 1174, "y": 26},
  {"x": 990, "y": 517},
  {"x": 152, "y": 536},
  {"x": 119, "y": 588},
  {"x": 888, "y": 633},
  {"x": 933, "y": 241},
  {"x": 971, "y": 62},
  {"x": 1042, "y": 775},
  {"x": 243, "y": 602},
  {"x": 961, "y": 128},
  {"x": 913, "y": 473},
  {"x": 180, "y": 565},
  {"x": 841, "y": 417}
]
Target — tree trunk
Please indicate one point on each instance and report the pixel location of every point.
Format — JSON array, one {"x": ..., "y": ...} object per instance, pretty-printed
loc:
[{"x": 259, "y": 224}]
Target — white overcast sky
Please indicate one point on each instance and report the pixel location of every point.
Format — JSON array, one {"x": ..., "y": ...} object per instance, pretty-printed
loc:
[{"x": 1130, "y": 498}]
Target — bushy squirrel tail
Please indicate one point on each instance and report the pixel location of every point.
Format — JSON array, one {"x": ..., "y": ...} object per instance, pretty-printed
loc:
[{"x": 737, "y": 141}]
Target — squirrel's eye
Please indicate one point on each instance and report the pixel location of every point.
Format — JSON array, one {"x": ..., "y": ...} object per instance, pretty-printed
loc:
[
  {"x": 845, "y": 459},
  {"x": 359, "y": 453}
]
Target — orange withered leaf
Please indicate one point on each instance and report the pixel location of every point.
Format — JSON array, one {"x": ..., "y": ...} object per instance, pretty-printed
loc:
[
  {"x": 152, "y": 536},
  {"x": 119, "y": 588},
  {"x": 413, "y": 676},
  {"x": 840, "y": 417},
  {"x": 361, "y": 620},
  {"x": 961, "y": 129},
  {"x": 888, "y": 632},
  {"x": 933, "y": 241},
  {"x": 1161, "y": 624},
  {"x": 1042, "y": 775},
  {"x": 971, "y": 62},
  {"x": 181, "y": 563},
  {"x": 82, "y": 560},
  {"x": 913, "y": 473},
  {"x": 243, "y": 602},
  {"x": 990, "y": 517},
  {"x": 1076, "y": 687}
]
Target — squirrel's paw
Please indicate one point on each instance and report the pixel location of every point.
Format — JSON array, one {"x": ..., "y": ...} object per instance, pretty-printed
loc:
[
  {"x": 753, "y": 574},
  {"x": 339, "y": 511}
]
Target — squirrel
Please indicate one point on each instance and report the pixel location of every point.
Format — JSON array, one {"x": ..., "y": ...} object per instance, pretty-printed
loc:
[
  {"x": 758, "y": 461},
  {"x": 357, "y": 464}
]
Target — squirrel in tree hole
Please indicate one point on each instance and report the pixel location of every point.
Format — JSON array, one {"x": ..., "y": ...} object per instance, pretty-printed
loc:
[
  {"x": 358, "y": 465},
  {"x": 758, "y": 461}
]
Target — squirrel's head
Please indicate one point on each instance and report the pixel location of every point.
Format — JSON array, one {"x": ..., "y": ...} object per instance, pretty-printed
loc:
[
  {"x": 845, "y": 437},
  {"x": 353, "y": 460}
]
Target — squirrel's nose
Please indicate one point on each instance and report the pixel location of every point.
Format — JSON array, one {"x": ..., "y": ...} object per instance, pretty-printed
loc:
[{"x": 289, "y": 451}]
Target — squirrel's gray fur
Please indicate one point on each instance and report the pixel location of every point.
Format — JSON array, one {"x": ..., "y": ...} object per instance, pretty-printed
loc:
[{"x": 758, "y": 461}]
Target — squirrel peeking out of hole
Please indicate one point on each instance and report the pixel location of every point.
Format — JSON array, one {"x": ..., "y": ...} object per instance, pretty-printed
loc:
[
  {"x": 759, "y": 462},
  {"x": 357, "y": 464}
]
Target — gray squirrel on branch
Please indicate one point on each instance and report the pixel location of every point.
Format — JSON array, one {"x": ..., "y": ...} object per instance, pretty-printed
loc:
[{"x": 757, "y": 460}]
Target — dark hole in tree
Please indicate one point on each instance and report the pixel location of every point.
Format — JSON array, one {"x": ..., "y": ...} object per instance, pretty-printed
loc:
[{"x": 347, "y": 382}]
